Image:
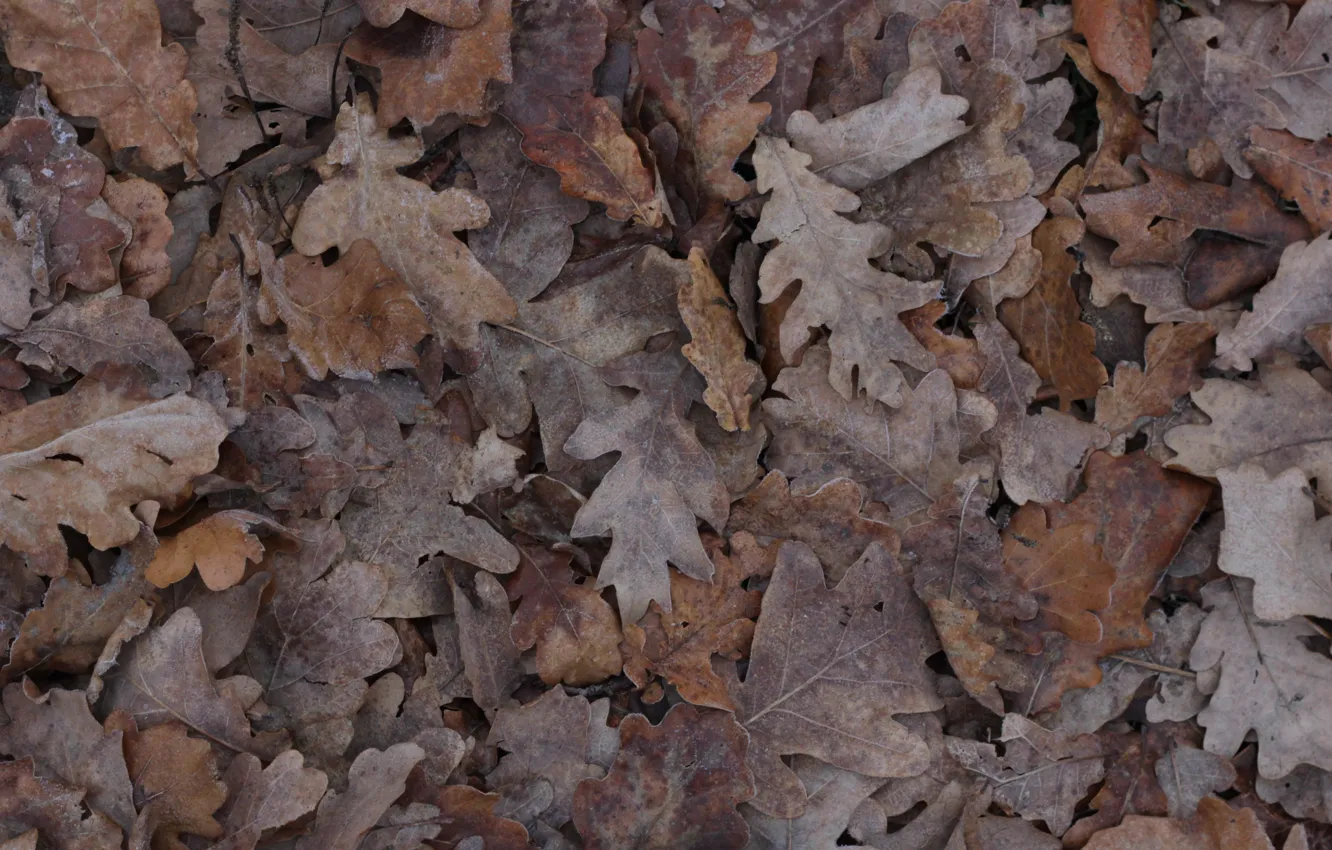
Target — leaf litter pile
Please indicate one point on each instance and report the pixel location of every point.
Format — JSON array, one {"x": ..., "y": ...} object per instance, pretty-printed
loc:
[{"x": 502, "y": 424}]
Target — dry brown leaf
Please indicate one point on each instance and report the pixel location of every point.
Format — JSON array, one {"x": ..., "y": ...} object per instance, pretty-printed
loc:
[
  {"x": 704, "y": 620},
  {"x": 145, "y": 268},
  {"x": 364, "y": 197},
  {"x": 1041, "y": 775},
  {"x": 1264, "y": 678},
  {"x": 829, "y": 520},
  {"x": 529, "y": 236},
  {"x": 250, "y": 356},
  {"x": 806, "y": 692},
  {"x": 163, "y": 678},
  {"x": 175, "y": 780},
  {"x": 261, "y": 798},
  {"x": 1121, "y": 133},
  {"x": 1047, "y": 321},
  {"x": 52, "y": 808},
  {"x": 1188, "y": 775},
  {"x": 124, "y": 77},
  {"x": 1063, "y": 568},
  {"x": 1119, "y": 36},
  {"x": 1293, "y": 300},
  {"x": 957, "y": 355},
  {"x": 453, "y": 13},
  {"x": 1217, "y": 827},
  {"x": 986, "y": 31},
  {"x": 674, "y": 785},
  {"x": 906, "y": 457},
  {"x": 59, "y": 732},
  {"x": 489, "y": 655},
  {"x": 576, "y": 633},
  {"x": 701, "y": 73},
  {"x": 434, "y": 69},
  {"x": 219, "y": 544},
  {"x": 84, "y": 458},
  {"x": 376, "y": 779},
  {"x": 1272, "y": 537},
  {"x": 1300, "y": 170},
  {"x": 1174, "y": 357},
  {"x": 113, "y": 330},
  {"x": 830, "y": 256},
  {"x": 354, "y": 318},
  {"x": 717, "y": 348},
  {"x": 663, "y": 480},
  {"x": 386, "y": 718}
]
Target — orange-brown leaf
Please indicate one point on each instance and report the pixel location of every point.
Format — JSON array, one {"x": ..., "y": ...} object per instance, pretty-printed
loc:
[
  {"x": 1119, "y": 35},
  {"x": 1063, "y": 568},
  {"x": 1300, "y": 170},
  {"x": 718, "y": 346},
  {"x": 220, "y": 545},
  {"x": 1174, "y": 356},
  {"x": 575, "y": 631}
]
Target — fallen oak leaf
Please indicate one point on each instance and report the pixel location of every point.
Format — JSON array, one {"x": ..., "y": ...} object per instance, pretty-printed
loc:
[
  {"x": 1175, "y": 355},
  {"x": 261, "y": 798},
  {"x": 219, "y": 545},
  {"x": 451, "y": 13},
  {"x": 1063, "y": 568},
  {"x": 52, "y": 808},
  {"x": 674, "y": 785},
  {"x": 145, "y": 268},
  {"x": 806, "y": 692},
  {"x": 490, "y": 658},
  {"x": 1218, "y": 826},
  {"x": 662, "y": 481},
  {"x": 251, "y": 357},
  {"x": 125, "y": 78},
  {"x": 365, "y": 197},
  {"x": 175, "y": 781},
  {"x": 1121, "y": 133},
  {"x": 1300, "y": 170},
  {"x": 717, "y": 348},
  {"x": 375, "y": 780},
  {"x": 1119, "y": 37},
  {"x": 84, "y": 458}
]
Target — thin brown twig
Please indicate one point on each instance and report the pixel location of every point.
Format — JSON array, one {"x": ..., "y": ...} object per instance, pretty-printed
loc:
[{"x": 1152, "y": 665}]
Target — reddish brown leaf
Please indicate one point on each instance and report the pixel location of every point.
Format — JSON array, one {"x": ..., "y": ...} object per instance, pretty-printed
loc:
[
  {"x": 1174, "y": 357},
  {"x": 717, "y": 348},
  {"x": 1119, "y": 35},
  {"x": 52, "y": 808},
  {"x": 574, "y": 630},
  {"x": 175, "y": 781},
  {"x": 145, "y": 268},
  {"x": 1063, "y": 568},
  {"x": 1300, "y": 170}
]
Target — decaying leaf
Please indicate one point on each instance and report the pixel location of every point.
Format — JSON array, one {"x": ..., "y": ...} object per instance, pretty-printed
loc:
[
  {"x": 1062, "y": 568},
  {"x": 672, "y": 785},
  {"x": 1300, "y": 170},
  {"x": 1217, "y": 827},
  {"x": 376, "y": 779},
  {"x": 52, "y": 809},
  {"x": 1119, "y": 37},
  {"x": 1174, "y": 356},
  {"x": 717, "y": 349},
  {"x": 176, "y": 778},
  {"x": 262, "y": 798},
  {"x": 219, "y": 545}
]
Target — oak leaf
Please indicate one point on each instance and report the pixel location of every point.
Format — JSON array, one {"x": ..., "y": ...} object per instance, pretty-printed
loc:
[
  {"x": 1263, "y": 678},
  {"x": 490, "y": 658},
  {"x": 830, "y": 256},
  {"x": 124, "y": 77},
  {"x": 1189, "y": 775},
  {"x": 1279, "y": 423},
  {"x": 113, "y": 330},
  {"x": 261, "y": 798},
  {"x": 672, "y": 785},
  {"x": 1119, "y": 37},
  {"x": 175, "y": 779},
  {"x": 63, "y": 738},
  {"x": 1063, "y": 568},
  {"x": 906, "y": 457},
  {"x": 701, "y": 73},
  {"x": 1272, "y": 537},
  {"x": 829, "y": 520},
  {"x": 252, "y": 358},
  {"x": 452, "y": 13},
  {"x": 1217, "y": 827},
  {"x": 661, "y": 482},
  {"x": 52, "y": 808},
  {"x": 433, "y": 69},
  {"x": 863, "y": 147},
  {"x": 834, "y": 797},
  {"x": 83, "y": 459},
  {"x": 1300, "y": 170},
  {"x": 219, "y": 544},
  {"x": 389, "y": 715},
  {"x": 163, "y": 678},
  {"x": 986, "y": 31},
  {"x": 364, "y": 197},
  {"x": 473, "y": 822},
  {"x": 576, "y": 633},
  {"x": 955, "y": 354},
  {"x": 1174, "y": 356},
  {"x": 1292, "y": 301},
  {"x": 375, "y": 780},
  {"x": 717, "y": 348},
  {"x": 1121, "y": 133},
  {"x": 1041, "y": 775},
  {"x": 704, "y": 620},
  {"x": 827, "y": 671},
  {"x": 145, "y": 268},
  {"x": 354, "y": 318}
]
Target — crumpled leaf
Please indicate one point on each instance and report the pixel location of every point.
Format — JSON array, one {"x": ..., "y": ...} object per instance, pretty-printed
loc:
[
  {"x": 1295, "y": 299},
  {"x": 829, "y": 520},
  {"x": 82, "y": 459},
  {"x": 905, "y": 457},
  {"x": 376, "y": 779},
  {"x": 364, "y": 197},
  {"x": 1279, "y": 423},
  {"x": 250, "y": 357},
  {"x": 1174, "y": 356},
  {"x": 1121, "y": 133},
  {"x": 864, "y": 146},
  {"x": 145, "y": 268},
  {"x": 261, "y": 798},
  {"x": 576, "y": 633},
  {"x": 386, "y": 718},
  {"x": 67, "y": 743},
  {"x": 1042, "y": 774},
  {"x": 1047, "y": 321},
  {"x": 1272, "y": 537},
  {"x": 176, "y": 778},
  {"x": 674, "y": 785},
  {"x": 700, "y": 72},
  {"x": 717, "y": 348},
  {"x": 52, "y": 808},
  {"x": 113, "y": 330},
  {"x": 662, "y": 481},
  {"x": 434, "y": 69},
  {"x": 219, "y": 545},
  {"x": 1300, "y": 170},
  {"x": 1265, "y": 679},
  {"x": 830, "y": 256},
  {"x": 124, "y": 77},
  {"x": 704, "y": 620},
  {"x": 162, "y": 678},
  {"x": 354, "y": 318},
  {"x": 805, "y": 692}
]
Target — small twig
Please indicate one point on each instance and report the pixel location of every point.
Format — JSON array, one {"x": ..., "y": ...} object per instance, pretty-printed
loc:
[
  {"x": 233, "y": 57},
  {"x": 333, "y": 82},
  {"x": 1150, "y": 665},
  {"x": 604, "y": 689},
  {"x": 511, "y": 329}
]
